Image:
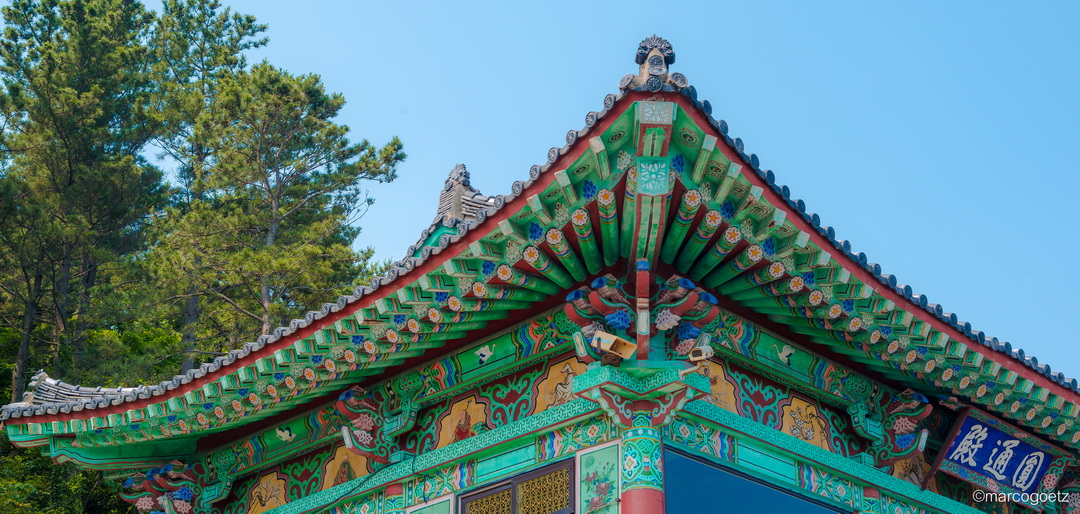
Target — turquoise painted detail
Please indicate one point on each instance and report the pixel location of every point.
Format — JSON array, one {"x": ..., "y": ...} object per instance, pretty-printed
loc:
[
  {"x": 651, "y": 379},
  {"x": 365, "y": 505},
  {"x": 642, "y": 456},
  {"x": 505, "y": 463},
  {"x": 443, "y": 481},
  {"x": 394, "y": 504},
  {"x": 349, "y": 491},
  {"x": 568, "y": 439},
  {"x": 896, "y": 495},
  {"x": 831, "y": 486},
  {"x": 654, "y": 175},
  {"x": 701, "y": 438},
  {"x": 765, "y": 462},
  {"x": 438, "y": 508}
]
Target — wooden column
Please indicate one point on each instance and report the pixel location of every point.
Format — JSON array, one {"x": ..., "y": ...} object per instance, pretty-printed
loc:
[
  {"x": 640, "y": 401},
  {"x": 642, "y": 466},
  {"x": 394, "y": 499}
]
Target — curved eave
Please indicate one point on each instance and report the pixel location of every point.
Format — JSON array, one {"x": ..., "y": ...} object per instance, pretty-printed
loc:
[
  {"x": 903, "y": 295},
  {"x": 988, "y": 360},
  {"x": 116, "y": 409}
]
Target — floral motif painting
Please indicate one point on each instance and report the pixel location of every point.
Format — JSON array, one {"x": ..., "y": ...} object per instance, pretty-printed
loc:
[
  {"x": 598, "y": 487},
  {"x": 269, "y": 493},
  {"x": 802, "y": 420}
]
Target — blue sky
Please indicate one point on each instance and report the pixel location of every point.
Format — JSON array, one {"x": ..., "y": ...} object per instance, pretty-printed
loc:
[{"x": 938, "y": 137}]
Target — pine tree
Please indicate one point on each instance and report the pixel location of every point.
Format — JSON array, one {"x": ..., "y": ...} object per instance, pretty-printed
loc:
[
  {"x": 77, "y": 85},
  {"x": 196, "y": 45},
  {"x": 75, "y": 196},
  {"x": 271, "y": 235},
  {"x": 108, "y": 275}
]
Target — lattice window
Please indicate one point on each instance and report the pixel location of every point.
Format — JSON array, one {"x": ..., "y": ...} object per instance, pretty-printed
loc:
[
  {"x": 495, "y": 503},
  {"x": 546, "y": 493},
  {"x": 548, "y": 490}
]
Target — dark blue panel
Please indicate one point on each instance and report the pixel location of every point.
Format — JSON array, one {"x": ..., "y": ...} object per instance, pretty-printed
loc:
[
  {"x": 981, "y": 448},
  {"x": 696, "y": 487}
]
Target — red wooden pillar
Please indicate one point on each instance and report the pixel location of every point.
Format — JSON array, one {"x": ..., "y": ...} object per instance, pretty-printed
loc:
[
  {"x": 394, "y": 499},
  {"x": 642, "y": 466}
]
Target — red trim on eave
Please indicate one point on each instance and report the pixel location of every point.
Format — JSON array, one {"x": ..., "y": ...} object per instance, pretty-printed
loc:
[
  {"x": 856, "y": 269},
  {"x": 490, "y": 224}
]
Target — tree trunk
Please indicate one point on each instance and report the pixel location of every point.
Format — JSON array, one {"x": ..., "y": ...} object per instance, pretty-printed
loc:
[
  {"x": 264, "y": 286},
  {"x": 191, "y": 325},
  {"x": 191, "y": 305},
  {"x": 18, "y": 377},
  {"x": 60, "y": 299},
  {"x": 89, "y": 280},
  {"x": 264, "y": 290}
]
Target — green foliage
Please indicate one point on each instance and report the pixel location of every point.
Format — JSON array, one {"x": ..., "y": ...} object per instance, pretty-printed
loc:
[
  {"x": 134, "y": 354},
  {"x": 9, "y": 345},
  {"x": 112, "y": 276},
  {"x": 268, "y": 236},
  {"x": 196, "y": 44},
  {"x": 77, "y": 86},
  {"x": 30, "y": 482}
]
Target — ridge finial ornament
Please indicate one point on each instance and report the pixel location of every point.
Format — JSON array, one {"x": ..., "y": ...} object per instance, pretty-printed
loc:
[
  {"x": 654, "y": 55},
  {"x": 658, "y": 43},
  {"x": 459, "y": 175}
]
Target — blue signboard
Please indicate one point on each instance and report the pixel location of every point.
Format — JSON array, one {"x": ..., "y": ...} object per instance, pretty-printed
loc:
[{"x": 980, "y": 447}]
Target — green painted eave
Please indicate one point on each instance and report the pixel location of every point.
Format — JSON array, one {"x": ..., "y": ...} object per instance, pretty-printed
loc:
[{"x": 519, "y": 256}]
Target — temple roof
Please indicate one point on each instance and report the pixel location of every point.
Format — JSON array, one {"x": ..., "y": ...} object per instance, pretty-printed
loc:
[
  {"x": 462, "y": 211},
  {"x": 44, "y": 390}
]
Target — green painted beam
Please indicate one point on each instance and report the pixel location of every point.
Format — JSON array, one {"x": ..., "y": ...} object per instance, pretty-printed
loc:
[
  {"x": 678, "y": 229},
  {"x": 541, "y": 263},
  {"x": 565, "y": 254},
  {"x": 609, "y": 225},
  {"x": 702, "y": 235},
  {"x": 719, "y": 250},
  {"x": 583, "y": 229}
]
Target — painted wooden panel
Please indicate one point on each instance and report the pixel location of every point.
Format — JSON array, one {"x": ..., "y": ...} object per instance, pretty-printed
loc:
[
  {"x": 441, "y": 507},
  {"x": 766, "y": 463},
  {"x": 268, "y": 493},
  {"x": 505, "y": 463},
  {"x": 598, "y": 480},
  {"x": 442, "y": 481},
  {"x": 829, "y": 485},
  {"x": 506, "y": 399},
  {"x": 778, "y": 406},
  {"x": 316, "y": 470}
]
